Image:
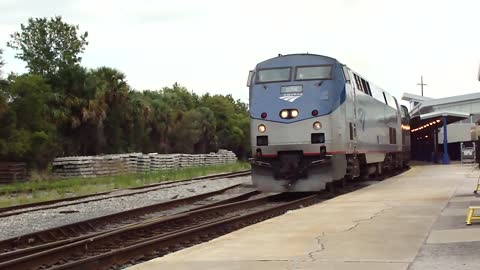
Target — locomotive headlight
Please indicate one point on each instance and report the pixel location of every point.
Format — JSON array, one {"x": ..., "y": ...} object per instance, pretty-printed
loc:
[
  {"x": 262, "y": 128},
  {"x": 294, "y": 113},
  {"x": 317, "y": 125},
  {"x": 284, "y": 114}
]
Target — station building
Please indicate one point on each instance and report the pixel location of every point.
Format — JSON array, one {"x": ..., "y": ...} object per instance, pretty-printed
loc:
[{"x": 432, "y": 118}]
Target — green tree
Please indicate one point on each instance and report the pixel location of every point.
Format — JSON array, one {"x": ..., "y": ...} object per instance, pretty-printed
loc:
[
  {"x": 62, "y": 108},
  {"x": 139, "y": 114},
  {"x": 112, "y": 85},
  {"x": 207, "y": 125},
  {"x": 231, "y": 122},
  {"x": 2, "y": 63},
  {"x": 3, "y": 82},
  {"x": 28, "y": 135},
  {"x": 3, "y": 103},
  {"x": 3, "y": 85},
  {"x": 48, "y": 45}
]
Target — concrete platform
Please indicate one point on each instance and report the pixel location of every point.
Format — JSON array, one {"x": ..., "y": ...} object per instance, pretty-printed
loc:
[{"x": 412, "y": 221}]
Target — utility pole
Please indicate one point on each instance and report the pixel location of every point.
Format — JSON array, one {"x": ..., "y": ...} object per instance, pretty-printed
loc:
[{"x": 421, "y": 84}]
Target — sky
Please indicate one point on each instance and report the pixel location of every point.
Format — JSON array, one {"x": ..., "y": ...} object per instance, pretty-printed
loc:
[{"x": 209, "y": 45}]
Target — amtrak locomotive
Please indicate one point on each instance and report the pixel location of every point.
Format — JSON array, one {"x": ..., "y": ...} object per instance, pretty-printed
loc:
[{"x": 315, "y": 122}]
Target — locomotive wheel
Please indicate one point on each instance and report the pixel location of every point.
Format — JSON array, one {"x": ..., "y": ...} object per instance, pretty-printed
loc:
[
  {"x": 342, "y": 183},
  {"x": 330, "y": 187}
]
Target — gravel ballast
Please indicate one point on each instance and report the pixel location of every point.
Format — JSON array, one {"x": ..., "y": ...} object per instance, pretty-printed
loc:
[{"x": 25, "y": 223}]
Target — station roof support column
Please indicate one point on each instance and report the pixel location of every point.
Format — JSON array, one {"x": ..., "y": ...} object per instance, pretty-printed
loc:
[{"x": 445, "y": 159}]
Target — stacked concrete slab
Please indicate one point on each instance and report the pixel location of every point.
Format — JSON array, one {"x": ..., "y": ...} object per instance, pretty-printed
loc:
[
  {"x": 74, "y": 166},
  {"x": 169, "y": 161},
  {"x": 91, "y": 166},
  {"x": 110, "y": 164},
  {"x": 143, "y": 163},
  {"x": 227, "y": 156},
  {"x": 198, "y": 160},
  {"x": 185, "y": 160},
  {"x": 132, "y": 161}
]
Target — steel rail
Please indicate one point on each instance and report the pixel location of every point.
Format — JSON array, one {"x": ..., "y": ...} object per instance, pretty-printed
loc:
[
  {"x": 12, "y": 210},
  {"x": 160, "y": 236},
  {"x": 164, "y": 234},
  {"x": 50, "y": 238}
]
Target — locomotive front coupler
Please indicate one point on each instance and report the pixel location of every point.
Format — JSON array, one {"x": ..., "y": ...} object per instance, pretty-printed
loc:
[{"x": 267, "y": 163}]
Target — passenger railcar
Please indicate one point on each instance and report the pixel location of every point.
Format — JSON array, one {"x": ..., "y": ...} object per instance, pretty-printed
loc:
[{"x": 315, "y": 121}]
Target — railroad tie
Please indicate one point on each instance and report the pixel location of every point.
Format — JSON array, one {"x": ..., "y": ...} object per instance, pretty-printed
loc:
[{"x": 471, "y": 214}]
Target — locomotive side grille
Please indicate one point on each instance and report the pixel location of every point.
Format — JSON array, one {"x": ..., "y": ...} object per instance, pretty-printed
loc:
[
  {"x": 351, "y": 131},
  {"x": 393, "y": 135}
]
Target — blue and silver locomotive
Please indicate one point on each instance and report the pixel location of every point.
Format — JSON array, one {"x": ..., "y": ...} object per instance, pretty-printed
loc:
[{"x": 314, "y": 121}]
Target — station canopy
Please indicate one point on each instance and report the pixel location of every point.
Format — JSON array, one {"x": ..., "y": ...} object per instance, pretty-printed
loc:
[{"x": 431, "y": 120}]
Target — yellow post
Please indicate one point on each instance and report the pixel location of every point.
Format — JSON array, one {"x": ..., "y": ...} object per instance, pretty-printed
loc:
[{"x": 469, "y": 216}]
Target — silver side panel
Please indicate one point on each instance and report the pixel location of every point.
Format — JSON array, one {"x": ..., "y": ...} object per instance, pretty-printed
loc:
[{"x": 373, "y": 120}]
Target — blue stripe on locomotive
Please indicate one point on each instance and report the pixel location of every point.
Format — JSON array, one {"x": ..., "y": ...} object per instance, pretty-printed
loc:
[{"x": 313, "y": 98}]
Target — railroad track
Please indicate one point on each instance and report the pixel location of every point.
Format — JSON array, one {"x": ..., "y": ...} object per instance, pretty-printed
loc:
[
  {"x": 50, "y": 238},
  {"x": 25, "y": 208},
  {"x": 158, "y": 236}
]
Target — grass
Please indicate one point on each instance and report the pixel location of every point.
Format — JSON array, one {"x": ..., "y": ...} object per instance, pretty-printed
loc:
[{"x": 36, "y": 191}]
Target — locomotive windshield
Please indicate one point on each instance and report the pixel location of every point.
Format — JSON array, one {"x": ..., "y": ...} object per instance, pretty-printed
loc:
[
  {"x": 273, "y": 75},
  {"x": 313, "y": 73}
]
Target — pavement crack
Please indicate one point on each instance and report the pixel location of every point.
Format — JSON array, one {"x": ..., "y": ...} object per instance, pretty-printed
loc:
[
  {"x": 310, "y": 257},
  {"x": 320, "y": 247},
  {"x": 358, "y": 221}
]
